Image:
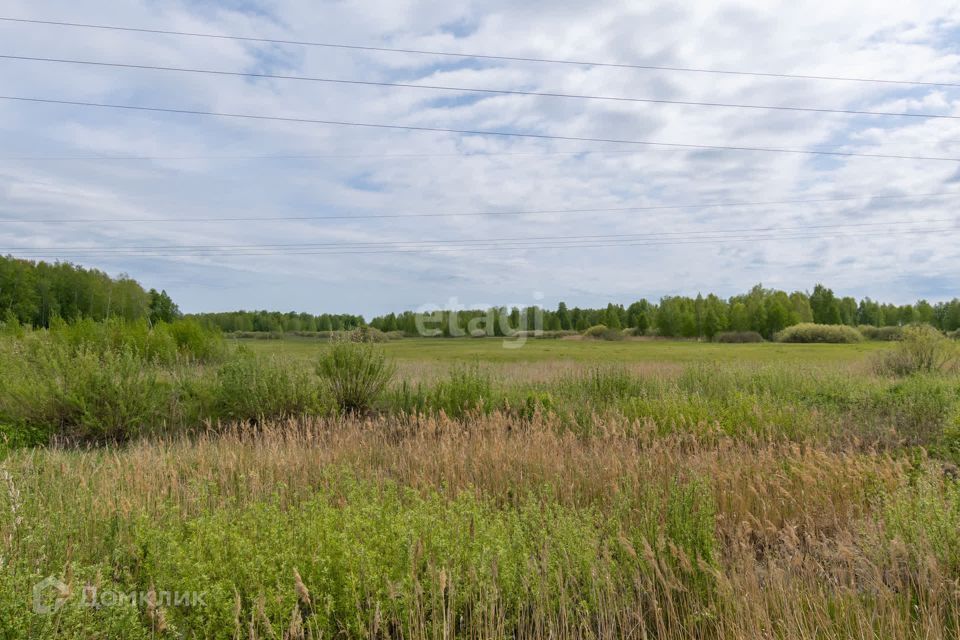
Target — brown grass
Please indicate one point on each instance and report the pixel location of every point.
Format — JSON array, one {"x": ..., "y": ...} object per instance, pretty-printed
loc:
[{"x": 803, "y": 549}]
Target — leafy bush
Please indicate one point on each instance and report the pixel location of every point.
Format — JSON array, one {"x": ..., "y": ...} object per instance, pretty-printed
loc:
[
  {"x": 250, "y": 388},
  {"x": 595, "y": 331},
  {"x": 810, "y": 332},
  {"x": 162, "y": 343},
  {"x": 926, "y": 517},
  {"x": 602, "y": 332},
  {"x": 923, "y": 349},
  {"x": 196, "y": 341},
  {"x": 738, "y": 336},
  {"x": 466, "y": 390},
  {"x": 367, "y": 334},
  {"x": 884, "y": 334},
  {"x": 47, "y": 388},
  {"x": 355, "y": 374},
  {"x": 259, "y": 335}
]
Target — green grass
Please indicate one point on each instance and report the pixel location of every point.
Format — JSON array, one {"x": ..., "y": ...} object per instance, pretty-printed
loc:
[{"x": 495, "y": 350}]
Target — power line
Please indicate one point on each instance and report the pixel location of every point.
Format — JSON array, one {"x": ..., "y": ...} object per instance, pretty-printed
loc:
[
  {"x": 325, "y": 156},
  {"x": 478, "y": 56},
  {"x": 536, "y": 136},
  {"x": 692, "y": 205},
  {"x": 717, "y": 233},
  {"x": 498, "y": 246},
  {"x": 511, "y": 92}
]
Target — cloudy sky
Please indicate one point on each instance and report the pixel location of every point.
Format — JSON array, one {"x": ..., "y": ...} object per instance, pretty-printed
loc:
[{"x": 154, "y": 194}]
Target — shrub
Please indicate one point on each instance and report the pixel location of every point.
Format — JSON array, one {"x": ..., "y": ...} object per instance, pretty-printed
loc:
[
  {"x": 47, "y": 388},
  {"x": 884, "y": 334},
  {"x": 810, "y": 332},
  {"x": 355, "y": 374},
  {"x": 259, "y": 335},
  {"x": 250, "y": 388},
  {"x": 926, "y": 517},
  {"x": 601, "y": 332},
  {"x": 467, "y": 389},
  {"x": 595, "y": 331},
  {"x": 367, "y": 334},
  {"x": 196, "y": 341},
  {"x": 738, "y": 336},
  {"x": 955, "y": 334},
  {"x": 923, "y": 349}
]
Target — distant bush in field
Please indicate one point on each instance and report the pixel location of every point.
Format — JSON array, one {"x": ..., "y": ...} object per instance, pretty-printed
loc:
[
  {"x": 544, "y": 335},
  {"x": 355, "y": 374},
  {"x": 923, "y": 349},
  {"x": 553, "y": 335},
  {"x": 602, "y": 332},
  {"x": 810, "y": 332},
  {"x": 738, "y": 336},
  {"x": 595, "y": 331},
  {"x": 885, "y": 334},
  {"x": 256, "y": 335},
  {"x": 367, "y": 334}
]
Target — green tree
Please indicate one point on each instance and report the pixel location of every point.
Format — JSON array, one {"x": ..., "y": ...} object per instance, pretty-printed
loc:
[{"x": 162, "y": 307}]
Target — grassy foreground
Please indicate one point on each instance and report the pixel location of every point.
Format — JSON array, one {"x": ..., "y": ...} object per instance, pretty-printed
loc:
[{"x": 547, "y": 494}]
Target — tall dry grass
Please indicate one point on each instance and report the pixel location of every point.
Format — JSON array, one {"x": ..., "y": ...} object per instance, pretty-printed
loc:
[{"x": 803, "y": 540}]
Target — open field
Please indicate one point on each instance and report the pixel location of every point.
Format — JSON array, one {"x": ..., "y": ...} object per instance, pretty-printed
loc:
[
  {"x": 586, "y": 351},
  {"x": 566, "y": 489}
]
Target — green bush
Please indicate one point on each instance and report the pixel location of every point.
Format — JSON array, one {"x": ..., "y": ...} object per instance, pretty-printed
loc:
[
  {"x": 367, "y": 334},
  {"x": 251, "y": 388},
  {"x": 47, "y": 387},
  {"x": 355, "y": 374},
  {"x": 467, "y": 389},
  {"x": 926, "y": 517},
  {"x": 884, "y": 334},
  {"x": 601, "y": 332},
  {"x": 810, "y": 332},
  {"x": 595, "y": 331},
  {"x": 738, "y": 337},
  {"x": 923, "y": 349},
  {"x": 161, "y": 343}
]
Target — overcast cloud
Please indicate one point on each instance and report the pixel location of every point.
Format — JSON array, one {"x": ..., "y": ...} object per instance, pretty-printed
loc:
[{"x": 201, "y": 167}]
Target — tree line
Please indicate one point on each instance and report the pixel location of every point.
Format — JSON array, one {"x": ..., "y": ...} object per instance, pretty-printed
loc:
[
  {"x": 36, "y": 293},
  {"x": 765, "y": 311},
  {"x": 278, "y": 322}
]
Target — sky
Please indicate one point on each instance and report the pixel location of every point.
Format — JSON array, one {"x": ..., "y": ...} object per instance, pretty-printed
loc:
[{"x": 134, "y": 192}]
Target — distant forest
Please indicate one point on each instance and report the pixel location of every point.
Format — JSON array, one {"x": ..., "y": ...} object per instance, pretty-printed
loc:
[
  {"x": 35, "y": 293},
  {"x": 765, "y": 311}
]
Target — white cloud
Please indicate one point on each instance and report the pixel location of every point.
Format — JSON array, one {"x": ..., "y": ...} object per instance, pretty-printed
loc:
[{"x": 857, "y": 39}]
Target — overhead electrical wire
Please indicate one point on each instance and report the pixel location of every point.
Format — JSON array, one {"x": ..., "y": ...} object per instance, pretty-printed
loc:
[
  {"x": 478, "y": 56},
  {"x": 490, "y": 245},
  {"x": 691, "y": 205},
  {"x": 654, "y": 234},
  {"x": 510, "y": 134},
  {"x": 510, "y": 92}
]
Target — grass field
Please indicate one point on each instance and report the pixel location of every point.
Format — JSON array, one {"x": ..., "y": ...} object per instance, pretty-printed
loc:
[
  {"x": 566, "y": 489},
  {"x": 435, "y": 350}
]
